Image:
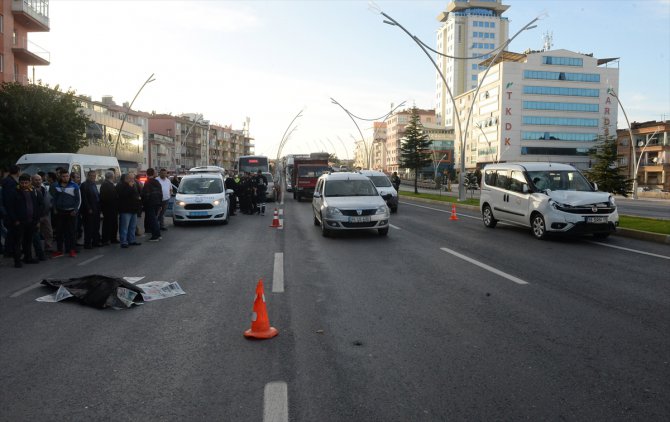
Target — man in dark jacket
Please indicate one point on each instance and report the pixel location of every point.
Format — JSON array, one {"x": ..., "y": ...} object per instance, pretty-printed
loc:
[
  {"x": 231, "y": 183},
  {"x": 9, "y": 185},
  {"x": 90, "y": 210},
  {"x": 23, "y": 214},
  {"x": 152, "y": 198},
  {"x": 109, "y": 204}
]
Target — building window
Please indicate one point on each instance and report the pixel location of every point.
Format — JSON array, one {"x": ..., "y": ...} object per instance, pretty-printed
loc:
[
  {"x": 546, "y": 105},
  {"x": 562, "y": 76},
  {"x": 486, "y": 24},
  {"x": 2, "y": 28},
  {"x": 2, "y": 63},
  {"x": 580, "y": 152},
  {"x": 563, "y": 61},
  {"x": 558, "y": 121},
  {"x": 552, "y": 90},
  {"x": 559, "y": 136},
  {"x": 493, "y": 24}
]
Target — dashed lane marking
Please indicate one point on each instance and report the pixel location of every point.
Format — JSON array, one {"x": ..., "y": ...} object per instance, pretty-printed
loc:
[
  {"x": 88, "y": 261},
  {"x": 486, "y": 267},
  {"x": 26, "y": 289},
  {"x": 630, "y": 250},
  {"x": 395, "y": 227},
  {"x": 278, "y": 273},
  {"x": 444, "y": 211},
  {"x": 275, "y": 402}
]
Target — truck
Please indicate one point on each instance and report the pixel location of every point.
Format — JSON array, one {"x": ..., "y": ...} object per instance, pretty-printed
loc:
[
  {"x": 305, "y": 172},
  {"x": 288, "y": 169}
]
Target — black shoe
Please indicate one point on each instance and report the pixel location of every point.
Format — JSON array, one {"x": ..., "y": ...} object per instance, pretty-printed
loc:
[
  {"x": 124, "y": 246},
  {"x": 164, "y": 229},
  {"x": 134, "y": 244},
  {"x": 155, "y": 239},
  {"x": 31, "y": 261}
]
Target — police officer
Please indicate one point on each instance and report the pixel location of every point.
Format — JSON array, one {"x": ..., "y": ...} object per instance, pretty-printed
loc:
[
  {"x": 232, "y": 183},
  {"x": 261, "y": 186}
]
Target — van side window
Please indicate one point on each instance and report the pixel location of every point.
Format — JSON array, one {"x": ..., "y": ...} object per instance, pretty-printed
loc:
[
  {"x": 502, "y": 179},
  {"x": 490, "y": 177},
  {"x": 517, "y": 181}
]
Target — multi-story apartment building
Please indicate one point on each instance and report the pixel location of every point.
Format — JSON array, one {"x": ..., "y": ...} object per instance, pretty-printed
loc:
[
  {"x": 470, "y": 30},
  {"x": 17, "y": 53},
  {"x": 539, "y": 106},
  {"x": 652, "y": 151},
  {"x": 395, "y": 131}
]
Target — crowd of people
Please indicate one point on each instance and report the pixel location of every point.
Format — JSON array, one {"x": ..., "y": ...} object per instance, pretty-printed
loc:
[
  {"x": 250, "y": 190},
  {"x": 38, "y": 222}
]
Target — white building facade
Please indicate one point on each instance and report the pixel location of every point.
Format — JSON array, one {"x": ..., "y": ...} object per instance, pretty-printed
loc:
[
  {"x": 542, "y": 106},
  {"x": 470, "y": 31}
]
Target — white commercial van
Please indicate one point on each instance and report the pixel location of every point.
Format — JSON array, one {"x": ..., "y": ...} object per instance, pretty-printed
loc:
[
  {"x": 78, "y": 163},
  {"x": 547, "y": 197},
  {"x": 201, "y": 197}
]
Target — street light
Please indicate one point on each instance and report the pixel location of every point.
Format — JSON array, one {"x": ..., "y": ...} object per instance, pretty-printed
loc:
[
  {"x": 287, "y": 134},
  {"x": 644, "y": 146},
  {"x": 611, "y": 92},
  {"x": 390, "y": 21},
  {"x": 125, "y": 115}
]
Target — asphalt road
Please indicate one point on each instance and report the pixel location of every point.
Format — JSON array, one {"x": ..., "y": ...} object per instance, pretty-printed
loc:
[{"x": 441, "y": 320}]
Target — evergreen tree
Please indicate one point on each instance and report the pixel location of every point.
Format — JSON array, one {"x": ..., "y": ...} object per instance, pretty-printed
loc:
[
  {"x": 605, "y": 171},
  {"x": 36, "y": 118},
  {"x": 415, "y": 147}
]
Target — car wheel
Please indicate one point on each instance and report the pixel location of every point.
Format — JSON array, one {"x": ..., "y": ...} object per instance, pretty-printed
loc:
[
  {"x": 600, "y": 236},
  {"x": 383, "y": 232},
  {"x": 487, "y": 217},
  {"x": 225, "y": 221},
  {"x": 324, "y": 231},
  {"x": 538, "y": 227}
]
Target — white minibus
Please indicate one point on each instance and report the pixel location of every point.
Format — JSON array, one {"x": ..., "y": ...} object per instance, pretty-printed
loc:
[{"x": 78, "y": 163}]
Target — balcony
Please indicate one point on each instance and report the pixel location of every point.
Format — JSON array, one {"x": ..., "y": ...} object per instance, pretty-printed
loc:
[
  {"x": 33, "y": 15},
  {"x": 30, "y": 53}
]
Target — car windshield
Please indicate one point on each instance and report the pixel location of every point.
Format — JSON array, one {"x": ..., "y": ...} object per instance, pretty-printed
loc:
[
  {"x": 350, "y": 188},
  {"x": 381, "y": 181},
  {"x": 268, "y": 176},
  {"x": 200, "y": 186},
  {"x": 311, "y": 171},
  {"x": 560, "y": 180}
]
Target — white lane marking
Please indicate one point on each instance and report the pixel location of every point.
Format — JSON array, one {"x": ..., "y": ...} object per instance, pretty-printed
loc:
[
  {"x": 630, "y": 250},
  {"x": 278, "y": 274},
  {"x": 395, "y": 227},
  {"x": 26, "y": 289},
  {"x": 486, "y": 267},
  {"x": 88, "y": 261},
  {"x": 437, "y": 209},
  {"x": 275, "y": 402}
]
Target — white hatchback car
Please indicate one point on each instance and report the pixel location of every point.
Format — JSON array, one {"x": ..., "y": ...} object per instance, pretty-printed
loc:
[
  {"x": 349, "y": 201},
  {"x": 201, "y": 197}
]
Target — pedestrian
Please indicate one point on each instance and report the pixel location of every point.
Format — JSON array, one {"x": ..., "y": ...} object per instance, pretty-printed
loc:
[
  {"x": 23, "y": 211},
  {"x": 166, "y": 187},
  {"x": 43, "y": 231},
  {"x": 79, "y": 224},
  {"x": 66, "y": 202},
  {"x": 9, "y": 184},
  {"x": 109, "y": 205},
  {"x": 261, "y": 185},
  {"x": 129, "y": 204},
  {"x": 90, "y": 210},
  {"x": 152, "y": 198},
  {"x": 395, "y": 181},
  {"x": 231, "y": 184},
  {"x": 246, "y": 191}
]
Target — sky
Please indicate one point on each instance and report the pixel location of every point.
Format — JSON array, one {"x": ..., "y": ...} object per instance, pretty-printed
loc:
[{"x": 270, "y": 60}]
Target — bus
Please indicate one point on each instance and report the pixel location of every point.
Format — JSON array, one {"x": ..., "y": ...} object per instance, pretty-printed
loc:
[{"x": 253, "y": 163}]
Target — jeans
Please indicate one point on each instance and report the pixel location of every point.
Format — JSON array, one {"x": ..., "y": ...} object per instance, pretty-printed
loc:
[{"x": 128, "y": 221}]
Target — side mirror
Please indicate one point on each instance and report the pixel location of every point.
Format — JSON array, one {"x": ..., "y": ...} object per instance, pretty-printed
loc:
[
  {"x": 387, "y": 196},
  {"x": 595, "y": 185},
  {"x": 230, "y": 191},
  {"x": 525, "y": 188},
  {"x": 317, "y": 195}
]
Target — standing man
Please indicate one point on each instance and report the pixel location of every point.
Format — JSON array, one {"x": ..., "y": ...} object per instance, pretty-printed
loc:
[
  {"x": 261, "y": 189},
  {"x": 9, "y": 185},
  {"x": 109, "y": 205},
  {"x": 23, "y": 215},
  {"x": 66, "y": 201},
  {"x": 395, "y": 181},
  {"x": 166, "y": 186},
  {"x": 90, "y": 210},
  {"x": 44, "y": 225},
  {"x": 152, "y": 198},
  {"x": 230, "y": 183}
]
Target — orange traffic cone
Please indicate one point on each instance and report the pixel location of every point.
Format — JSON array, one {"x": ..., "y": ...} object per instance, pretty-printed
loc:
[
  {"x": 453, "y": 212},
  {"x": 275, "y": 220},
  {"x": 260, "y": 323}
]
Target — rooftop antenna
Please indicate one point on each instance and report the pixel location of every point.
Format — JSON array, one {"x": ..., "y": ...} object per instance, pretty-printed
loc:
[{"x": 548, "y": 38}]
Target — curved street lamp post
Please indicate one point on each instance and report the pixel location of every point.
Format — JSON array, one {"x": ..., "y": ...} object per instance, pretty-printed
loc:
[
  {"x": 390, "y": 21},
  {"x": 130, "y": 106}
]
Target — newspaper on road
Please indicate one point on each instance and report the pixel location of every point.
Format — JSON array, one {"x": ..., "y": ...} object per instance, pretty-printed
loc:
[{"x": 155, "y": 290}]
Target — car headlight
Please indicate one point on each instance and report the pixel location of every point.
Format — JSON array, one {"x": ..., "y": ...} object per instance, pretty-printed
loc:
[
  {"x": 217, "y": 202},
  {"x": 612, "y": 202},
  {"x": 382, "y": 209},
  {"x": 181, "y": 203},
  {"x": 333, "y": 212},
  {"x": 557, "y": 205}
]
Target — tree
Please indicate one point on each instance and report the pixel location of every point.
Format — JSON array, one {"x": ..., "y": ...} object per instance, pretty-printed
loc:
[
  {"x": 606, "y": 172},
  {"x": 36, "y": 118},
  {"x": 415, "y": 147}
]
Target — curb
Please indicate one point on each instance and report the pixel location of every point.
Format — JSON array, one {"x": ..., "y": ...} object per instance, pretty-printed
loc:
[{"x": 620, "y": 231}]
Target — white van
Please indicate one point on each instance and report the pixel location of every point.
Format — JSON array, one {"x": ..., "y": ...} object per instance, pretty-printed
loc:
[
  {"x": 201, "y": 197},
  {"x": 384, "y": 186},
  {"x": 547, "y": 197},
  {"x": 78, "y": 163}
]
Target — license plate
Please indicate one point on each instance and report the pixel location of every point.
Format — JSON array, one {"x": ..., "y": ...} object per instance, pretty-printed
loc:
[
  {"x": 365, "y": 219},
  {"x": 596, "y": 220},
  {"x": 197, "y": 213}
]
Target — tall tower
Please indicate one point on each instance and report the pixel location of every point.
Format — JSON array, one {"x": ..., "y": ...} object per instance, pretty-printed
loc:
[{"x": 470, "y": 28}]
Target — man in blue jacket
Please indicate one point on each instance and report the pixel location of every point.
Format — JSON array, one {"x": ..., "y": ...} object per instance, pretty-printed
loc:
[{"x": 66, "y": 201}]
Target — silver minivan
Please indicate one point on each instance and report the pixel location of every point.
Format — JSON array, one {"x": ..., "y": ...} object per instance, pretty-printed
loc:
[{"x": 548, "y": 198}]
